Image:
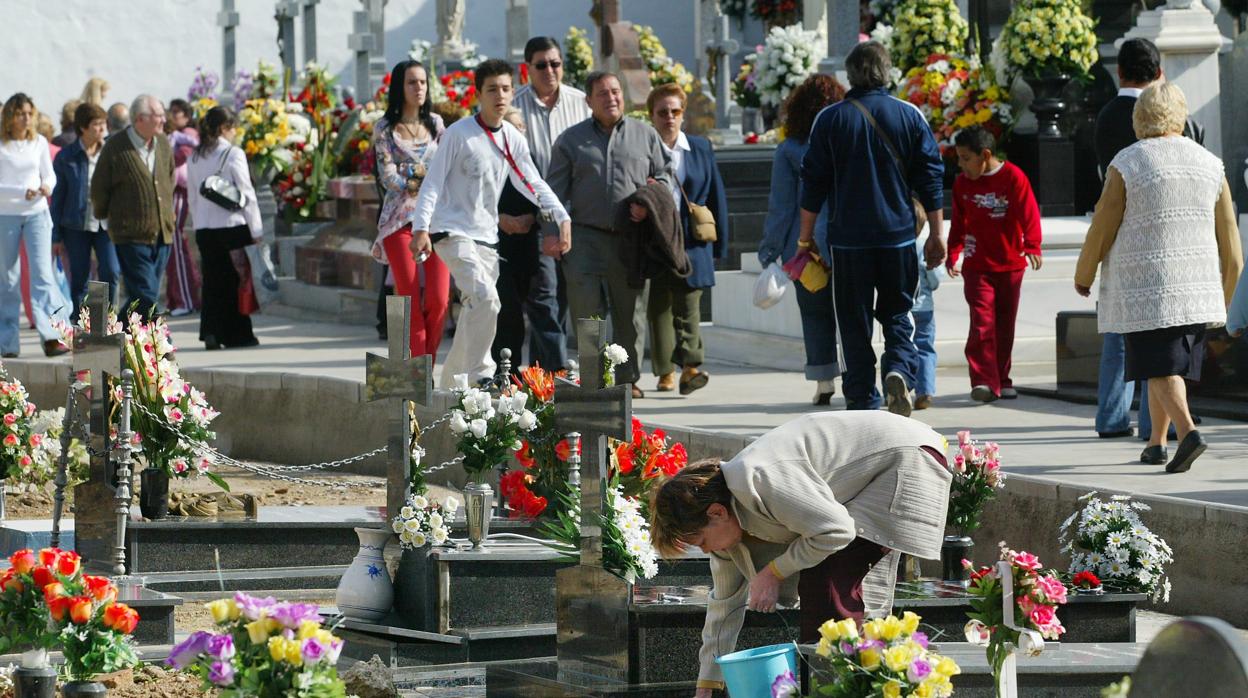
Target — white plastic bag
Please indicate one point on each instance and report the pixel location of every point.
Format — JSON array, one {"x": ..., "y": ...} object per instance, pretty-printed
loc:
[
  {"x": 263, "y": 273},
  {"x": 769, "y": 288}
]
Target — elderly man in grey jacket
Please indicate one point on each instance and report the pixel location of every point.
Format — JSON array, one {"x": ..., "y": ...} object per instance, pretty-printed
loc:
[
  {"x": 821, "y": 506},
  {"x": 596, "y": 165}
]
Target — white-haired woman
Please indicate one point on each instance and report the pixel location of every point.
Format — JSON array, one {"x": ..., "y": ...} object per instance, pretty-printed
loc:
[{"x": 1165, "y": 238}]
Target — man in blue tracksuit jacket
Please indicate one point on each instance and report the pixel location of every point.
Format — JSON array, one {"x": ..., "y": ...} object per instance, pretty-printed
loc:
[{"x": 871, "y": 223}]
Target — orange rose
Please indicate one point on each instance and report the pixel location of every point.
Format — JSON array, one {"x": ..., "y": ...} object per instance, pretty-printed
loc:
[
  {"x": 100, "y": 588},
  {"x": 80, "y": 609},
  {"x": 52, "y": 591},
  {"x": 48, "y": 556},
  {"x": 68, "y": 563},
  {"x": 22, "y": 561},
  {"x": 58, "y": 607},
  {"x": 10, "y": 582},
  {"x": 43, "y": 576},
  {"x": 121, "y": 618}
]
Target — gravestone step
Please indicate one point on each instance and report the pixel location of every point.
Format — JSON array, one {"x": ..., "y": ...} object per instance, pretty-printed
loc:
[
  {"x": 277, "y": 579},
  {"x": 402, "y": 647}
]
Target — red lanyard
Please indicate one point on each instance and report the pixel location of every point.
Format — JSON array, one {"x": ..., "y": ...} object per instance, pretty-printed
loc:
[{"x": 506, "y": 151}]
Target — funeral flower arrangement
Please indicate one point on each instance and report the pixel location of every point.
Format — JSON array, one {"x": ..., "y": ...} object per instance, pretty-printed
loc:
[
  {"x": 787, "y": 59},
  {"x": 263, "y": 647},
  {"x": 1108, "y": 539},
  {"x": 25, "y": 618},
  {"x": 976, "y": 478},
  {"x": 627, "y": 550},
  {"x": 955, "y": 93},
  {"x": 745, "y": 85},
  {"x": 578, "y": 57},
  {"x": 94, "y": 629},
  {"x": 1036, "y": 598},
  {"x": 20, "y": 441},
  {"x": 886, "y": 658},
  {"x": 663, "y": 69},
  {"x": 423, "y": 521},
  {"x": 543, "y": 453},
  {"x": 923, "y": 27},
  {"x": 460, "y": 88},
  {"x": 489, "y": 430},
  {"x": 51, "y": 424},
  {"x": 646, "y": 458},
  {"x": 1045, "y": 37}
]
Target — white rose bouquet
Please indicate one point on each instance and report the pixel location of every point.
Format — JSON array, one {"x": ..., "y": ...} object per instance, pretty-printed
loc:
[
  {"x": 423, "y": 521},
  {"x": 788, "y": 58},
  {"x": 489, "y": 429}
]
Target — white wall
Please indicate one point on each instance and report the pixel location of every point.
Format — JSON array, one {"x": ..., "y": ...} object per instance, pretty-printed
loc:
[{"x": 53, "y": 46}]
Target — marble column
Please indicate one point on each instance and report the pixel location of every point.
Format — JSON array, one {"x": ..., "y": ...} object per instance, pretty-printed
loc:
[
  {"x": 842, "y": 22},
  {"x": 1189, "y": 41}
]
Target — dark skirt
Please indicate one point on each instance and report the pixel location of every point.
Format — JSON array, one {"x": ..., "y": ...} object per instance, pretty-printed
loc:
[{"x": 1166, "y": 351}]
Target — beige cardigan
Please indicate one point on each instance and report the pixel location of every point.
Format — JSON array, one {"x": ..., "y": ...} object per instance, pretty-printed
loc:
[{"x": 810, "y": 487}]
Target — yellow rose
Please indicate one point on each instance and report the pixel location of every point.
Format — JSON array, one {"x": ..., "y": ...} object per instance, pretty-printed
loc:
[
  {"x": 897, "y": 658},
  {"x": 223, "y": 610},
  {"x": 947, "y": 667},
  {"x": 937, "y": 685},
  {"x": 871, "y": 629},
  {"x": 830, "y": 630},
  {"x": 824, "y": 649},
  {"x": 307, "y": 629},
  {"x": 870, "y": 659},
  {"x": 892, "y": 689},
  {"x": 293, "y": 654},
  {"x": 909, "y": 622},
  {"x": 258, "y": 631},
  {"x": 924, "y": 690},
  {"x": 890, "y": 629},
  {"x": 277, "y": 648}
]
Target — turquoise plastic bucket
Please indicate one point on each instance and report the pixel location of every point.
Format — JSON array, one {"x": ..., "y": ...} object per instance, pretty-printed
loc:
[{"x": 750, "y": 673}]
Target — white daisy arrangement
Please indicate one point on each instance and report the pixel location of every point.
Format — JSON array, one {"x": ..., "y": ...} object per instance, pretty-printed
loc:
[
  {"x": 423, "y": 521},
  {"x": 1110, "y": 540}
]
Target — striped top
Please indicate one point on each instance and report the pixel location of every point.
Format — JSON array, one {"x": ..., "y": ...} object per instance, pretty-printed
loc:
[{"x": 544, "y": 125}]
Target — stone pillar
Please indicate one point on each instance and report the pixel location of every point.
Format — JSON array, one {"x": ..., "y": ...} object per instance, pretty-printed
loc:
[
  {"x": 227, "y": 19},
  {"x": 361, "y": 42},
  {"x": 842, "y": 22},
  {"x": 285, "y": 15},
  {"x": 309, "y": 30},
  {"x": 377, "y": 67},
  {"x": 517, "y": 30},
  {"x": 1189, "y": 41}
]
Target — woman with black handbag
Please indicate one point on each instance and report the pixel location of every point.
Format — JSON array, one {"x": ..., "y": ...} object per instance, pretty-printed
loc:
[{"x": 226, "y": 217}]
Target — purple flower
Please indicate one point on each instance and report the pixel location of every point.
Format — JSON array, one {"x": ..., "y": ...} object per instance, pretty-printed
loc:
[
  {"x": 221, "y": 673},
  {"x": 253, "y": 607},
  {"x": 919, "y": 670},
  {"x": 290, "y": 615},
  {"x": 785, "y": 686},
  {"x": 313, "y": 651},
  {"x": 221, "y": 646},
  {"x": 187, "y": 651},
  {"x": 920, "y": 638},
  {"x": 847, "y": 648}
]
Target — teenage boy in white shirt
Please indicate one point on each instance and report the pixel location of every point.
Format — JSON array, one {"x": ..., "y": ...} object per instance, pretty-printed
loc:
[{"x": 458, "y": 204}]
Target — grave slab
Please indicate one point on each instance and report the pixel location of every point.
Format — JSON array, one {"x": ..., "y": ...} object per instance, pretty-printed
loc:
[{"x": 16, "y": 534}]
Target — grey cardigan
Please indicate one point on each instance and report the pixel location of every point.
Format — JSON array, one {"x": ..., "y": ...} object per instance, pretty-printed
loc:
[{"x": 810, "y": 487}]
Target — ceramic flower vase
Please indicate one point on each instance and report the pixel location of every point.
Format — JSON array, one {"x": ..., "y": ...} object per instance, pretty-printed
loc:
[
  {"x": 952, "y": 552},
  {"x": 34, "y": 678},
  {"x": 154, "y": 493},
  {"x": 478, "y": 501},
  {"x": 83, "y": 689},
  {"x": 365, "y": 592}
]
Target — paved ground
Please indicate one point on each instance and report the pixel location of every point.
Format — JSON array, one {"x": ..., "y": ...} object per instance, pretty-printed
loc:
[{"x": 1040, "y": 437}]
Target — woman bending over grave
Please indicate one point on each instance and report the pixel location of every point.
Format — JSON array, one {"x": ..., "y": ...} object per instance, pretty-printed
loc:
[{"x": 819, "y": 508}]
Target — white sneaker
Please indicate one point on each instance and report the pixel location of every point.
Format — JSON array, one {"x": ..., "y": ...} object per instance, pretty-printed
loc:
[
  {"x": 824, "y": 390},
  {"x": 982, "y": 393},
  {"x": 897, "y": 395}
]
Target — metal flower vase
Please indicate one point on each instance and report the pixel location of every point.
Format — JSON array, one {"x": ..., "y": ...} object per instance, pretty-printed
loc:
[
  {"x": 952, "y": 552},
  {"x": 478, "y": 503},
  {"x": 1049, "y": 105},
  {"x": 366, "y": 592},
  {"x": 34, "y": 678}
]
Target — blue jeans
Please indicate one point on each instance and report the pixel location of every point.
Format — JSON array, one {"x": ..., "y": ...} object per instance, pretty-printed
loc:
[
  {"x": 527, "y": 281},
  {"x": 1113, "y": 393},
  {"x": 79, "y": 244},
  {"x": 141, "y": 267},
  {"x": 876, "y": 284},
  {"x": 925, "y": 345},
  {"x": 35, "y": 230},
  {"x": 818, "y": 332}
]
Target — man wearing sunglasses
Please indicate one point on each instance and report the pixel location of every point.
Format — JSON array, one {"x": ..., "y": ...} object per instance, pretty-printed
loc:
[{"x": 548, "y": 107}]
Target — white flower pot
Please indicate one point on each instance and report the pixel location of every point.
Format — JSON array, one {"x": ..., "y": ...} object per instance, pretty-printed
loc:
[{"x": 366, "y": 592}]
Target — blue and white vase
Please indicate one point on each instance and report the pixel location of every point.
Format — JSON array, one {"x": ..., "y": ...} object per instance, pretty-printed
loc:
[{"x": 366, "y": 592}]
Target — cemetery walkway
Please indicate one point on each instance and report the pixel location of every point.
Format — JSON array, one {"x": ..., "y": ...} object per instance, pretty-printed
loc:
[{"x": 1039, "y": 437}]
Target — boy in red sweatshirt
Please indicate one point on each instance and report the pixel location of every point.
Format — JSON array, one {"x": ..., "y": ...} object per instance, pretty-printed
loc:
[{"x": 996, "y": 229}]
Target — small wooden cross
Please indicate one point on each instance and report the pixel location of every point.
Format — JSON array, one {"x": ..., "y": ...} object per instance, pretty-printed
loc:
[
  {"x": 399, "y": 377},
  {"x": 597, "y": 413}
]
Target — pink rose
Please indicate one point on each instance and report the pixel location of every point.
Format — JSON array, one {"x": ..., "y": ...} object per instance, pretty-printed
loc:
[
  {"x": 10, "y": 440},
  {"x": 964, "y": 436},
  {"x": 1026, "y": 561},
  {"x": 1053, "y": 590},
  {"x": 1042, "y": 615},
  {"x": 10, "y": 419}
]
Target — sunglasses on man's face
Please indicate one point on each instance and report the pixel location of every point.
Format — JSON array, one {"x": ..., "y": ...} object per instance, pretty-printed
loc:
[{"x": 553, "y": 65}]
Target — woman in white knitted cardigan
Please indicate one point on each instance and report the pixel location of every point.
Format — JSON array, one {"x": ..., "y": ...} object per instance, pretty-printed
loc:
[
  {"x": 1165, "y": 238},
  {"x": 820, "y": 507}
]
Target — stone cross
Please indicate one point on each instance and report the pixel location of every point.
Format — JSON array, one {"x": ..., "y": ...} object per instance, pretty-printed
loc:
[
  {"x": 619, "y": 51},
  {"x": 596, "y": 413},
  {"x": 843, "y": 24},
  {"x": 227, "y": 19},
  {"x": 377, "y": 67},
  {"x": 722, "y": 47},
  {"x": 362, "y": 42},
  {"x": 309, "y": 30},
  {"x": 517, "y": 29},
  {"x": 285, "y": 12},
  {"x": 99, "y": 354},
  {"x": 398, "y": 377},
  {"x": 592, "y": 603}
]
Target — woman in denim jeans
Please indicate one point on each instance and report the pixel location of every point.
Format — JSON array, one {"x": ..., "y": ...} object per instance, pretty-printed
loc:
[
  {"x": 780, "y": 230},
  {"x": 26, "y": 181},
  {"x": 74, "y": 224}
]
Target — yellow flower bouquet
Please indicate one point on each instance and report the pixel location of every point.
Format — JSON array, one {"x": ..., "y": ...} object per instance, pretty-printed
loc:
[
  {"x": 954, "y": 92},
  {"x": 885, "y": 658},
  {"x": 1045, "y": 37},
  {"x": 663, "y": 69},
  {"x": 924, "y": 27}
]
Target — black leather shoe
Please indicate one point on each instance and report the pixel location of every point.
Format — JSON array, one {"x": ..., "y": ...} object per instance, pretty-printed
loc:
[
  {"x": 1188, "y": 451},
  {"x": 1153, "y": 455}
]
